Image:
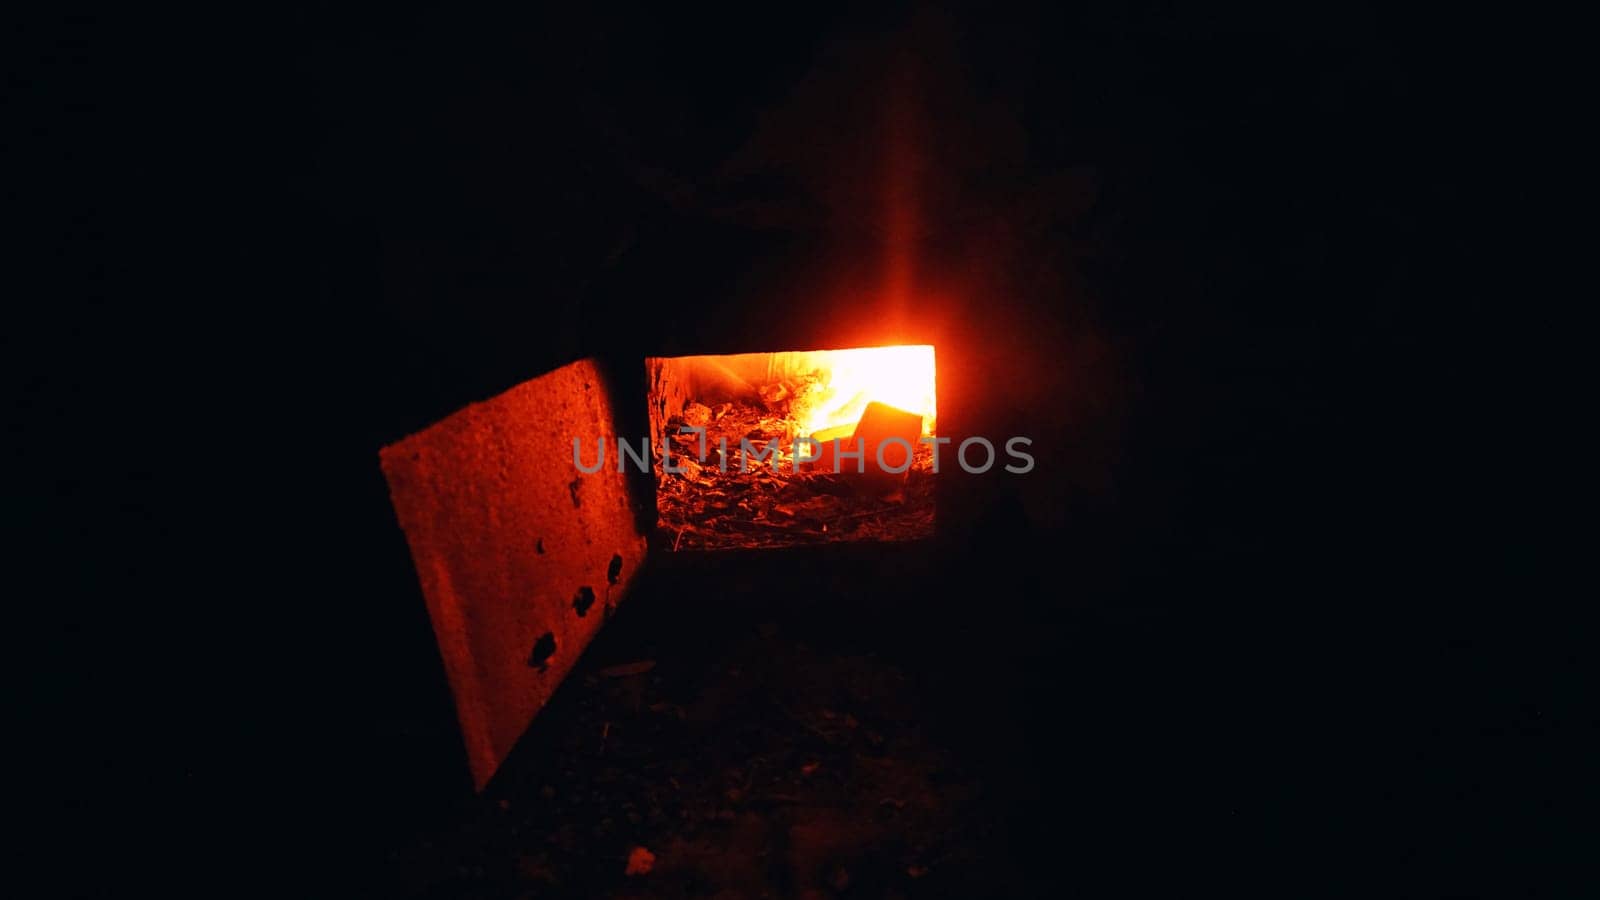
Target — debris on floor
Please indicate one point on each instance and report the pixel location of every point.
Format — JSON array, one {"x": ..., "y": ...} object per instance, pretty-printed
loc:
[
  {"x": 776, "y": 769},
  {"x": 717, "y": 505}
]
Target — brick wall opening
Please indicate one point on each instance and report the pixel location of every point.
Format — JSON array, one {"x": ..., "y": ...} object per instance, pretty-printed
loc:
[{"x": 786, "y": 448}]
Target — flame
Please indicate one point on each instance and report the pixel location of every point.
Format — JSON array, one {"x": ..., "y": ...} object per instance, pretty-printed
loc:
[
  {"x": 902, "y": 377},
  {"x": 820, "y": 389}
]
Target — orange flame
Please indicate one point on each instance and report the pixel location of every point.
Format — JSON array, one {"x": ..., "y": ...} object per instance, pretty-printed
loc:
[
  {"x": 902, "y": 377},
  {"x": 822, "y": 389}
]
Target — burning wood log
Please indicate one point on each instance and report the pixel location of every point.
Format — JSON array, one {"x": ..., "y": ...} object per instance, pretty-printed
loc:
[{"x": 882, "y": 444}]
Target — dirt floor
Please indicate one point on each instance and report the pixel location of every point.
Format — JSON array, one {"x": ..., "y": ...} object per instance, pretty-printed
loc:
[{"x": 756, "y": 764}]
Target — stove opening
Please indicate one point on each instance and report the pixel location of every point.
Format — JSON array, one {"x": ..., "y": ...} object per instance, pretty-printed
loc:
[{"x": 758, "y": 450}]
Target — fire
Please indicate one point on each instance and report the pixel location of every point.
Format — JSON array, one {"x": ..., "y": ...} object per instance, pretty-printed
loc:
[
  {"x": 817, "y": 390},
  {"x": 742, "y": 477},
  {"x": 902, "y": 377}
]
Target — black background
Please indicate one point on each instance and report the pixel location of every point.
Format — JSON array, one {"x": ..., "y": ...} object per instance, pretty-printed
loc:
[{"x": 1210, "y": 261}]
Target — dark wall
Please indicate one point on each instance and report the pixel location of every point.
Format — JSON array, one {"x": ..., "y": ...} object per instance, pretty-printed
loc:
[
  {"x": 1159, "y": 246},
  {"x": 1178, "y": 250}
]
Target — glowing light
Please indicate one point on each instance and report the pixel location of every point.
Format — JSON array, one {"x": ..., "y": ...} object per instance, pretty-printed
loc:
[
  {"x": 901, "y": 377},
  {"x": 817, "y": 389}
]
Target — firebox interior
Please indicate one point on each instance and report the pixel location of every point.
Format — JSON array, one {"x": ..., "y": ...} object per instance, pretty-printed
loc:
[{"x": 798, "y": 447}]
